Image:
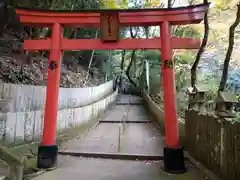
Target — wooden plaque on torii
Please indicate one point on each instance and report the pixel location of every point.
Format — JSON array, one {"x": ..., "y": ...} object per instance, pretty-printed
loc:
[{"x": 110, "y": 26}]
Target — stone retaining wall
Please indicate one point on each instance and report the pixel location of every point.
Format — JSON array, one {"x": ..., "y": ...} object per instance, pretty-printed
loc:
[
  {"x": 19, "y": 127},
  {"x": 22, "y": 98},
  {"x": 158, "y": 115}
]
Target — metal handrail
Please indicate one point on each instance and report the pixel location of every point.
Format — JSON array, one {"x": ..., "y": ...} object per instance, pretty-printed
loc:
[{"x": 122, "y": 124}]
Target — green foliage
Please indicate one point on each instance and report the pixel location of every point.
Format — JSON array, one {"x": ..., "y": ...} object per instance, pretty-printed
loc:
[
  {"x": 152, "y": 55},
  {"x": 182, "y": 62},
  {"x": 186, "y": 58},
  {"x": 221, "y": 3},
  {"x": 57, "y": 4},
  {"x": 182, "y": 69},
  {"x": 152, "y": 3},
  {"x": 187, "y": 31},
  {"x": 109, "y": 4},
  {"x": 113, "y": 4}
]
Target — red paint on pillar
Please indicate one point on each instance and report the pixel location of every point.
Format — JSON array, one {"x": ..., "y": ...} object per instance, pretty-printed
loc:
[
  {"x": 171, "y": 123},
  {"x": 51, "y": 108}
]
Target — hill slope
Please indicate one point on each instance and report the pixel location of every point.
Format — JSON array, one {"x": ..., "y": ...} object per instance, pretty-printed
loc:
[{"x": 17, "y": 67}]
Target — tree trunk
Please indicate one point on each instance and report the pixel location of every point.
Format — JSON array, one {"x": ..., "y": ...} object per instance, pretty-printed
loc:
[
  {"x": 122, "y": 61},
  {"x": 201, "y": 50},
  {"x": 133, "y": 56},
  {"x": 108, "y": 73},
  {"x": 91, "y": 60},
  {"x": 3, "y": 16},
  {"x": 169, "y": 4},
  {"x": 229, "y": 51}
]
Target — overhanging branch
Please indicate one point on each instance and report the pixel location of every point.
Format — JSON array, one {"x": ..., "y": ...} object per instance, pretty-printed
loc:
[
  {"x": 201, "y": 50},
  {"x": 229, "y": 51}
]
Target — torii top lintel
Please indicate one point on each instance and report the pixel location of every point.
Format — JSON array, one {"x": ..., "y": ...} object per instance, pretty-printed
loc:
[{"x": 129, "y": 17}]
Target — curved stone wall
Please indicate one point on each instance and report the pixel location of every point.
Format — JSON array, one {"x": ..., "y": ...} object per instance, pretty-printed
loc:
[
  {"x": 21, "y": 98},
  {"x": 19, "y": 127},
  {"x": 158, "y": 115}
]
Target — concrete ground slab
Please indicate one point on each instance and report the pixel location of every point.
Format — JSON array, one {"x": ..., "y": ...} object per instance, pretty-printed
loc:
[{"x": 102, "y": 169}]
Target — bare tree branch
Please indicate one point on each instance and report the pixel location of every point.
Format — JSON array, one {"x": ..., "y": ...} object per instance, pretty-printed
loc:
[
  {"x": 131, "y": 32},
  {"x": 169, "y": 4},
  {"x": 201, "y": 50},
  {"x": 229, "y": 51},
  {"x": 133, "y": 56}
]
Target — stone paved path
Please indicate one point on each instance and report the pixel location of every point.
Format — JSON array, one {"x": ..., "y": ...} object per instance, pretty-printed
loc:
[
  {"x": 142, "y": 139},
  {"x": 136, "y": 113},
  {"x": 139, "y": 138}
]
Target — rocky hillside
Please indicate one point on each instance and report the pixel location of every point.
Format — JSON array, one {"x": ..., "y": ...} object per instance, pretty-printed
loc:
[{"x": 17, "y": 67}]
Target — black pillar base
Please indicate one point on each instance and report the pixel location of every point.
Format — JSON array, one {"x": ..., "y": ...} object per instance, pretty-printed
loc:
[
  {"x": 174, "y": 160},
  {"x": 47, "y": 156}
]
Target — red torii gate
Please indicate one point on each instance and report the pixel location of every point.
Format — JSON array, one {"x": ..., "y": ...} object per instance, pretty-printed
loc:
[{"x": 110, "y": 21}]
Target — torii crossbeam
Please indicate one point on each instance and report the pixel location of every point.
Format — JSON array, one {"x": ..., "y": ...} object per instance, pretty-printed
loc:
[{"x": 109, "y": 21}]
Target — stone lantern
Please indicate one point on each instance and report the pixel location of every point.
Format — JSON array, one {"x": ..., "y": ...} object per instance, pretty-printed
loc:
[
  {"x": 225, "y": 104},
  {"x": 197, "y": 98}
]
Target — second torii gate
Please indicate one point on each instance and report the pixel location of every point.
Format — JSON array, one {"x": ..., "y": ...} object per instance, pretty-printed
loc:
[{"x": 110, "y": 22}]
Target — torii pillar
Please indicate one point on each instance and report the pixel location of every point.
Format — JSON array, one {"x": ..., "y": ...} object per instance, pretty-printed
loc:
[
  {"x": 173, "y": 152},
  {"x": 47, "y": 151}
]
